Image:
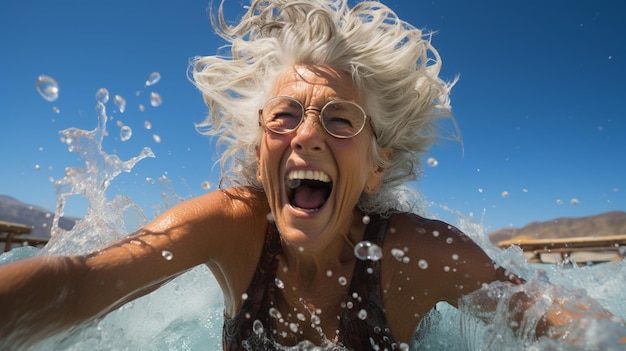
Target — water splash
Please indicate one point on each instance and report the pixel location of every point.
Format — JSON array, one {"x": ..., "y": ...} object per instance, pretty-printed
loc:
[
  {"x": 155, "y": 99},
  {"x": 104, "y": 217},
  {"x": 432, "y": 162},
  {"x": 48, "y": 88},
  {"x": 366, "y": 250},
  {"x": 102, "y": 96},
  {"x": 187, "y": 313},
  {"x": 120, "y": 102},
  {"x": 154, "y": 78},
  {"x": 125, "y": 133}
]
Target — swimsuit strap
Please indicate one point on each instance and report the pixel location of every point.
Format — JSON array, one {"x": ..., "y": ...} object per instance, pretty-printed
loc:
[
  {"x": 243, "y": 330},
  {"x": 363, "y": 325}
]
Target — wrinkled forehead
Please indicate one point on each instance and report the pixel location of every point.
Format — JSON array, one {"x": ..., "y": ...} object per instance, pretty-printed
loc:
[{"x": 306, "y": 82}]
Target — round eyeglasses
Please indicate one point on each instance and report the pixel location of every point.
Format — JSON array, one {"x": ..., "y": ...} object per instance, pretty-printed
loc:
[{"x": 340, "y": 118}]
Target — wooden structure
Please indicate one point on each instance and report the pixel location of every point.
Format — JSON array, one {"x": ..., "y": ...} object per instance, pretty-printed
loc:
[
  {"x": 595, "y": 248},
  {"x": 17, "y": 233}
]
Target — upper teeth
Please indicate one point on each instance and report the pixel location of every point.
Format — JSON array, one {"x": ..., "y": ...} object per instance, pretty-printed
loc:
[{"x": 309, "y": 175}]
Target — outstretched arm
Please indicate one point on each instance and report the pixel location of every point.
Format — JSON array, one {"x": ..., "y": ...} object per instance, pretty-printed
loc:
[{"x": 46, "y": 294}]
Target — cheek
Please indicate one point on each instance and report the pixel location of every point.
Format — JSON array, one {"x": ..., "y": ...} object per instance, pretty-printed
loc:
[{"x": 268, "y": 159}]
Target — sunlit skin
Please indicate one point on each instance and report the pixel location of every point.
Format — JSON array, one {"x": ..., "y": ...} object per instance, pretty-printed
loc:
[
  {"x": 348, "y": 163},
  {"x": 226, "y": 231}
]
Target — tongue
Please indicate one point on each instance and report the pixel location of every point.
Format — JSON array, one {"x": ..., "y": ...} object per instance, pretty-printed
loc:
[{"x": 309, "y": 198}]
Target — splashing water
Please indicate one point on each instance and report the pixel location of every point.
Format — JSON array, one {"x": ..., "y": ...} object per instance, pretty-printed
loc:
[
  {"x": 120, "y": 102},
  {"x": 155, "y": 99},
  {"x": 125, "y": 133},
  {"x": 103, "y": 216},
  {"x": 154, "y": 78},
  {"x": 48, "y": 88},
  {"x": 366, "y": 250},
  {"x": 187, "y": 313},
  {"x": 102, "y": 96}
]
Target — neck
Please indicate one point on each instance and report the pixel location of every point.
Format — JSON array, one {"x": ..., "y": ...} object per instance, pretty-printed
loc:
[{"x": 314, "y": 262}]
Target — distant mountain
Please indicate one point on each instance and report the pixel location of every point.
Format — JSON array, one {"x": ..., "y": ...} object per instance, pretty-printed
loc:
[
  {"x": 39, "y": 219},
  {"x": 609, "y": 223}
]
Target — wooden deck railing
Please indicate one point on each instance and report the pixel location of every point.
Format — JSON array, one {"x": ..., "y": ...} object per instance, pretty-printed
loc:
[
  {"x": 566, "y": 247},
  {"x": 17, "y": 233}
]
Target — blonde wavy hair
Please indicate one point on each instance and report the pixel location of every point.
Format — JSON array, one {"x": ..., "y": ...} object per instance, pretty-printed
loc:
[{"x": 390, "y": 61}]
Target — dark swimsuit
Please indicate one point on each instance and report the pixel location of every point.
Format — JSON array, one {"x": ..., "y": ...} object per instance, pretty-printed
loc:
[{"x": 362, "y": 326}]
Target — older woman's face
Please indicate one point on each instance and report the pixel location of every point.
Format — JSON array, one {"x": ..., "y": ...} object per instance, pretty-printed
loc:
[{"x": 313, "y": 180}]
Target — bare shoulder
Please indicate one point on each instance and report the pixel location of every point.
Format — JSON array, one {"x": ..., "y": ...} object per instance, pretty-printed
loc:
[
  {"x": 424, "y": 262},
  {"x": 434, "y": 247},
  {"x": 238, "y": 203}
]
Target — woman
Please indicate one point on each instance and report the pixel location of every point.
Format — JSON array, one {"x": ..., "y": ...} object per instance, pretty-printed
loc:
[{"x": 326, "y": 111}]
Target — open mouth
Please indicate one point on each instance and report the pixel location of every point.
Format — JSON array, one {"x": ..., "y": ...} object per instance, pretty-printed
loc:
[{"x": 308, "y": 190}]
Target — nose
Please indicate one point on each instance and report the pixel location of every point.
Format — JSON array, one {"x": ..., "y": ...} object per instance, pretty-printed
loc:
[{"x": 310, "y": 134}]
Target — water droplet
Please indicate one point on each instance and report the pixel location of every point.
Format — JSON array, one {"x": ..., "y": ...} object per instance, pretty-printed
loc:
[
  {"x": 206, "y": 185},
  {"x": 147, "y": 125},
  {"x": 455, "y": 257},
  {"x": 432, "y": 162},
  {"x": 342, "y": 281},
  {"x": 279, "y": 283},
  {"x": 274, "y": 313},
  {"x": 270, "y": 217},
  {"x": 397, "y": 253},
  {"x": 157, "y": 138},
  {"x": 141, "y": 107},
  {"x": 559, "y": 202},
  {"x": 125, "y": 133},
  {"x": 366, "y": 219},
  {"x": 366, "y": 250},
  {"x": 56, "y": 109},
  {"x": 244, "y": 296},
  {"x": 48, "y": 88},
  {"x": 37, "y": 167},
  {"x": 574, "y": 201},
  {"x": 102, "y": 95},
  {"x": 301, "y": 317},
  {"x": 155, "y": 99},
  {"x": 315, "y": 319},
  {"x": 257, "y": 327},
  {"x": 167, "y": 255},
  {"x": 505, "y": 194},
  {"x": 362, "y": 314},
  {"x": 154, "y": 78},
  {"x": 423, "y": 264},
  {"x": 150, "y": 180},
  {"x": 329, "y": 273},
  {"x": 120, "y": 102},
  {"x": 293, "y": 327}
]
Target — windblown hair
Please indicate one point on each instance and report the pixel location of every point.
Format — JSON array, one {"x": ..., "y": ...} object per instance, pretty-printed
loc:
[{"x": 391, "y": 62}]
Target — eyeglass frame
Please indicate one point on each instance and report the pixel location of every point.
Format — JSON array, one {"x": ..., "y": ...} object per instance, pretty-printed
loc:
[{"x": 319, "y": 116}]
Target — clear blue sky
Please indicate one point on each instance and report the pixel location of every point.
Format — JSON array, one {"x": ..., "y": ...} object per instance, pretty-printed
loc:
[{"x": 540, "y": 104}]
